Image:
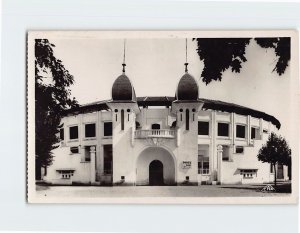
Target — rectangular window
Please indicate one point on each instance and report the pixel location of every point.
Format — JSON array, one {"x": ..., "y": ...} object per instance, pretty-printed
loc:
[
  {"x": 248, "y": 173},
  {"x": 239, "y": 149},
  {"x": 87, "y": 154},
  {"x": 240, "y": 131},
  {"x": 203, "y": 128},
  {"x": 225, "y": 154},
  {"x": 74, "y": 132},
  {"x": 66, "y": 174},
  {"x": 255, "y": 133},
  {"x": 74, "y": 150},
  {"x": 108, "y": 159},
  {"x": 62, "y": 134},
  {"x": 223, "y": 129},
  {"x": 107, "y": 128},
  {"x": 90, "y": 130},
  {"x": 203, "y": 165}
]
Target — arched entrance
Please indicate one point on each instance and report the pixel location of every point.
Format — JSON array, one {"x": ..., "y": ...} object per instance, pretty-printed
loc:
[
  {"x": 156, "y": 173},
  {"x": 155, "y": 166}
]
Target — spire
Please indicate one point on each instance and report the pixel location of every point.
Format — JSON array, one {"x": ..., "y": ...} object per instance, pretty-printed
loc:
[
  {"x": 186, "y": 55},
  {"x": 124, "y": 56}
]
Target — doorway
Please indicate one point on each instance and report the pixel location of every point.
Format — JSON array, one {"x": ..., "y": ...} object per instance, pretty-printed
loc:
[
  {"x": 280, "y": 174},
  {"x": 156, "y": 173}
]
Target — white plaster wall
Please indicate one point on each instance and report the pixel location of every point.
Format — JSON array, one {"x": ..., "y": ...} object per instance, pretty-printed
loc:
[
  {"x": 144, "y": 160},
  {"x": 247, "y": 160},
  {"x": 126, "y": 149},
  {"x": 63, "y": 159},
  {"x": 123, "y": 152}
]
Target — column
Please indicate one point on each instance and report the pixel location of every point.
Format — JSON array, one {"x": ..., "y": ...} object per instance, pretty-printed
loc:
[
  {"x": 212, "y": 156},
  {"x": 219, "y": 156},
  {"x": 93, "y": 165},
  {"x": 248, "y": 130}
]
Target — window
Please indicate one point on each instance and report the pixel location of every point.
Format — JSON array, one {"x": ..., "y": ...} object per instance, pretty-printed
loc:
[
  {"x": 265, "y": 131},
  {"x": 203, "y": 165},
  {"x": 174, "y": 123},
  {"x": 248, "y": 173},
  {"x": 107, "y": 128},
  {"x": 137, "y": 125},
  {"x": 254, "y": 133},
  {"x": 239, "y": 149},
  {"x": 74, "y": 150},
  {"x": 225, "y": 154},
  {"x": 87, "y": 154},
  {"x": 122, "y": 119},
  {"x": 223, "y": 129},
  {"x": 108, "y": 159},
  {"x": 62, "y": 134},
  {"x": 240, "y": 131},
  {"x": 90, "y": 130},
  {"x": 155, "y": 126},
  {"x": 187, "y": 119},
  {"x": 74, "y": 132},
  {"x": 66, "y": 174},
  {"x": 203, "y": 128}
]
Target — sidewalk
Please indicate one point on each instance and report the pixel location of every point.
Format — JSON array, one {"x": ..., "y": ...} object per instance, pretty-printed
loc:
[{"x": 283, "y": 189}]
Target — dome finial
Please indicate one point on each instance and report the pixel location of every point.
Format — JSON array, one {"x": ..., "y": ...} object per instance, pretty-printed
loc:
[
  {"x": 186, "y": 55},
  {"x": 124, "y": 54}
]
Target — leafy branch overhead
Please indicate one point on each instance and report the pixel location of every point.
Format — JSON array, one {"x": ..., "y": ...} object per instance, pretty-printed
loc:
[
  {"x": 282, "y": 47},
  {"x": 220, "y": 54}
]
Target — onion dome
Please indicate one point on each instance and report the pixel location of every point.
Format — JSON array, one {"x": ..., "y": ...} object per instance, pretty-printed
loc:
[
  {"x": 122, "y": 89},
  {"x": 187, "y": 88}
]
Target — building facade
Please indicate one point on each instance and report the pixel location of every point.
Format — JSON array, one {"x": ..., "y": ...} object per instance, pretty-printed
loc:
[{"x": 185, "y": 140}]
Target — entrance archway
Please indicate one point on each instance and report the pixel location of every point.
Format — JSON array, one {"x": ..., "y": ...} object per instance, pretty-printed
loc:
[
  {"x": 155, "y": 166},
  {"x": 156, "y": 173}
]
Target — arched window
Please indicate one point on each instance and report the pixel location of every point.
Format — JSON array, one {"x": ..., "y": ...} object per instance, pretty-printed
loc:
[
  {"x": 155, "y": 126},
  {"x": 122, "y": 119},
  {"x": 187, "y": 119}
]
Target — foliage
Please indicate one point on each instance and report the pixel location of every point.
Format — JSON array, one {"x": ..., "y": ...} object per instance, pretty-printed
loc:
[
  {"x": 220, "y": 54},
  {"x": 275, "y": 151},
  {"x": 282, "y": 47},
  {"x": 52, "y": 97}
]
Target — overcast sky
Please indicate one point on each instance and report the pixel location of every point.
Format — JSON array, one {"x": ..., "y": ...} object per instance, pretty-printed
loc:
[{"x": 155, "y": 66}]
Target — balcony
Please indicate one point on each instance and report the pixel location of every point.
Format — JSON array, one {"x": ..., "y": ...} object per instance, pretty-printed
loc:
[{"x": 155, "y": 133}]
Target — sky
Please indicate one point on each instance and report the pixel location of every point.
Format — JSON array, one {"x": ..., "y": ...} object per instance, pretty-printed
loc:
[{"x": 155, "y": 66}]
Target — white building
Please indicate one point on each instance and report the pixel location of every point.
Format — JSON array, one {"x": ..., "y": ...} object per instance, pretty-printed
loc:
[{"x": 184, "y": 140}]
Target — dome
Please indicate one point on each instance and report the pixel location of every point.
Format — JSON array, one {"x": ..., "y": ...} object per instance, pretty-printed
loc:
[
  {"x": 187, "y": 88},
  {"x": 122, "y": 89}
]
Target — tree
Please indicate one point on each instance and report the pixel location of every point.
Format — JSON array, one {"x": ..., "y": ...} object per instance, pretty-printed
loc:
[
  {"x": 52, "y": 97},
  {"x": 275, "y": 151},
  {"x": 220, "y": 54}
]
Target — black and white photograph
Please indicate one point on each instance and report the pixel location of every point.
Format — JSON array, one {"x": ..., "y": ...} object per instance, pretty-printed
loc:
[{"x": 182, "y": 117}]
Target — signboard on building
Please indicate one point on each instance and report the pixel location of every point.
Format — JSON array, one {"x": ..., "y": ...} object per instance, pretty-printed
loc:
[{"x": 186, "y": 164}]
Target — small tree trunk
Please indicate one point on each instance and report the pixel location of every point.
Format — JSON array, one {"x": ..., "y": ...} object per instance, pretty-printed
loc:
[{"x": 275, "y": 175}]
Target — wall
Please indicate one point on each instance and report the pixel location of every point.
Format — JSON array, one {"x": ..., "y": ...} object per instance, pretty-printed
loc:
[
  {"x": 184, "y": 147},
  {"x": 146, "y": 157}
]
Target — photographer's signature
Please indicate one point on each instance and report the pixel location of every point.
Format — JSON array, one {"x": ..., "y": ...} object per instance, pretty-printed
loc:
[{"x": 268, "y": 188}]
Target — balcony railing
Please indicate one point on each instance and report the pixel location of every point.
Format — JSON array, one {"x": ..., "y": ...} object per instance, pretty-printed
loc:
[{"x": 155, "y": 133}]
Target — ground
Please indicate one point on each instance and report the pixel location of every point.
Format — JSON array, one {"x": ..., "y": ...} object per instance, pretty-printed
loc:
[{"x": 253, "y": 190}]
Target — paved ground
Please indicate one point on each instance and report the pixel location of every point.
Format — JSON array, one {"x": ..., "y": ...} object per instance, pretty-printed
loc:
[{"x": 161, "y": 191}]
